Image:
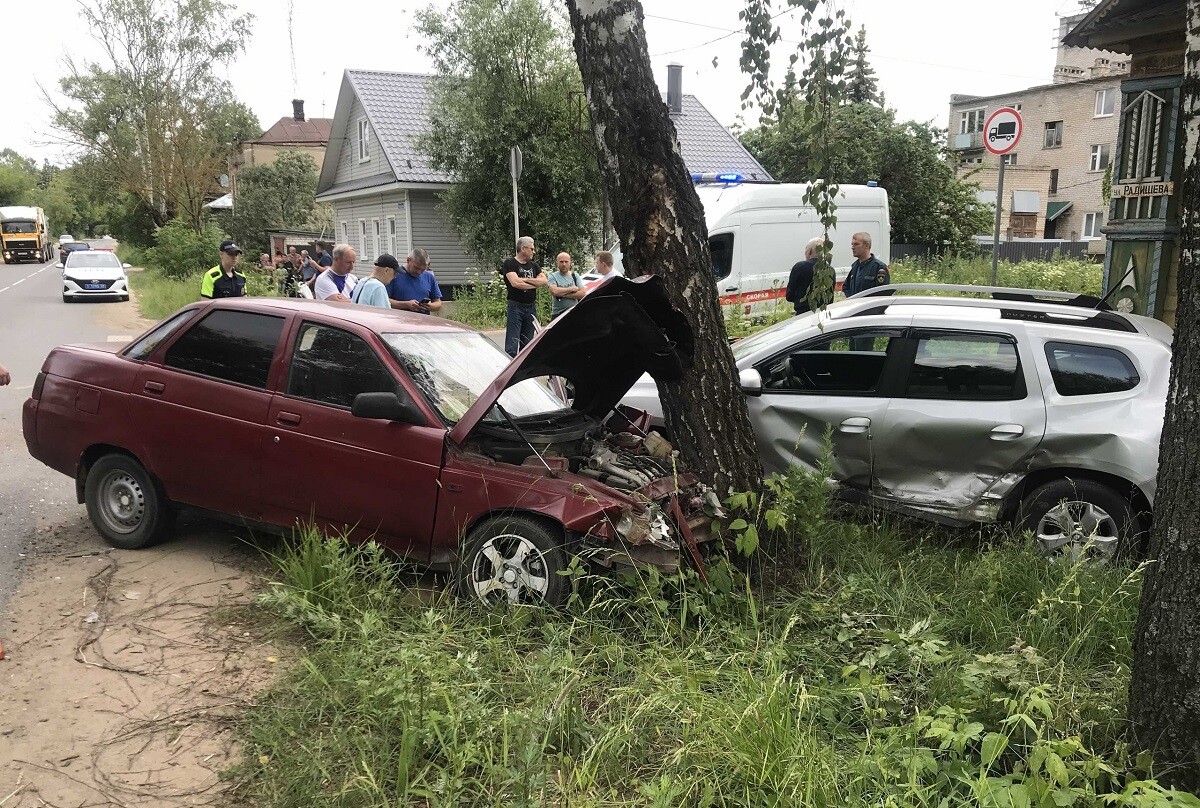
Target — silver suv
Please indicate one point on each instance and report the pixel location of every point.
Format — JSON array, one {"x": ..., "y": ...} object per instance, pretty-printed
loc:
[{"x": 1041, "y": 408}]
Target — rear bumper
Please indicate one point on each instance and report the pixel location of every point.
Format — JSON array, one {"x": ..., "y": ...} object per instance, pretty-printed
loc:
[{"x": 29, "y": 428}]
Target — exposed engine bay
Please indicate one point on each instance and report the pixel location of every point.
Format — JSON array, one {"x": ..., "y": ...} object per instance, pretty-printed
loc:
[{"x": 673, "y": 510}]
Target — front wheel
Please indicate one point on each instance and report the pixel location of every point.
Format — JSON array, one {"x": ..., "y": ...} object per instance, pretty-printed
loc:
[
  {"x": 1078, "y": 519},
  {"x": 513, "y": 559},
  {"x": 124, "y": 504}
]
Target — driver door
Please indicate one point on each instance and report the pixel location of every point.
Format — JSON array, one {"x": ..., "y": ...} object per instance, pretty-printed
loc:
[{"x": 376, "y": 479}]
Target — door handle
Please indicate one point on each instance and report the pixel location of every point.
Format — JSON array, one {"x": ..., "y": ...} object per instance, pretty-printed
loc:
[
  {"x": 1007, "y": 432},
  {"x": 731, "y": 288},
  {"x": 154, "y": 387},
  {"x": 855, "y": 426},
  {"x": 287, "y": 418}
]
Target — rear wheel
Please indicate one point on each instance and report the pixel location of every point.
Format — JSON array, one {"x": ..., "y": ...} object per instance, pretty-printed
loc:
[
  {"x": 513, "y": 559},
  {"x": 124, "y": 504},
  {"x": 1077, "y": 519}
]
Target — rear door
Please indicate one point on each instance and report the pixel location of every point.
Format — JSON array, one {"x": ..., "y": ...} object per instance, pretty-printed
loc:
[
  {"x": 202, "y": 410},
  {"x": 970, "y": 411},
  {"x": 375, "y": 478},
  {"x": 840, "y": 382}
]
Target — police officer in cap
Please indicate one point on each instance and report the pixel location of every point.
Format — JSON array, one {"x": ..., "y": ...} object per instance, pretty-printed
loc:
[
  {"x": 224, "y": 280},
  {"x": 867, "y": 271}
]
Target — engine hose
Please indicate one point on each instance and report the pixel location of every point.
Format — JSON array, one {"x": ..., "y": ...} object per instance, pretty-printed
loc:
[
  {"x": 617, "y": 471},
  {"x": 607, "y": 479}
]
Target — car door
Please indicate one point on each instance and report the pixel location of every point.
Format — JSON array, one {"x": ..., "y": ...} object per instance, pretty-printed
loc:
[
  {"x": 840, "y": 383},
  {"x": 375, "y": 478},
  {"x": 201, "y": 410},
  {"x": 970, "y": 412}
]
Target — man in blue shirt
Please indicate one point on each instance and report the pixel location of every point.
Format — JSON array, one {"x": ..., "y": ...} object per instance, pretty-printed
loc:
[
  {"x": 324, "y": 259},
  {"x": 415, "y": 288}
]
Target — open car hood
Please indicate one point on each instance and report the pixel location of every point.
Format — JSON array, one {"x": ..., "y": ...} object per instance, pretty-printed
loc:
[{"x": 622, "y": 329}]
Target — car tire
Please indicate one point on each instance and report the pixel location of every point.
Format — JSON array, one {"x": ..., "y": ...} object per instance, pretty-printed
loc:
[
  {"x": 513, "y": 559},
  {"x": 1079, "y": 518},
  {"x": 124, "y": 503}
]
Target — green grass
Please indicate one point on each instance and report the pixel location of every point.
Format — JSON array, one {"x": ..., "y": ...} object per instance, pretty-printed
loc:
[
  {"x": 868, "y": 663},
  {"x": 159, "y": 296},
  {"x": 1061, "y": 274}
]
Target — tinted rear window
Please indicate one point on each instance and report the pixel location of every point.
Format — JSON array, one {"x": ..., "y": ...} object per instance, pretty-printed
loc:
[
  {"x": 235, "y": 346},
  {"x": 1088, "y": 370}
]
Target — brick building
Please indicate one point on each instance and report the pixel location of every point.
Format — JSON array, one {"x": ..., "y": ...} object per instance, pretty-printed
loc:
[
  {"x": 306, "y": 135},
  {"x": 1055, "y": 176}
]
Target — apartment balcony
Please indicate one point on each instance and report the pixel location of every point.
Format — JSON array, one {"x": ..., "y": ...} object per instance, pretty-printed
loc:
[{"x": 971, "y": 140}]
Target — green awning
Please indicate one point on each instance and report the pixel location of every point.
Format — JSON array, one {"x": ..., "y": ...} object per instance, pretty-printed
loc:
[{"x": 1056, "y": 209}]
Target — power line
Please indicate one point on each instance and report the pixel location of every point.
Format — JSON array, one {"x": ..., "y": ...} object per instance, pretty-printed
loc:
[{"x": 728, "y": 33}]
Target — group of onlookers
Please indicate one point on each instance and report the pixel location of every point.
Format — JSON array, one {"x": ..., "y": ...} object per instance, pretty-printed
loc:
[
  {"x": 330, "y": 276},
  {"x": 523, "y": 277}
]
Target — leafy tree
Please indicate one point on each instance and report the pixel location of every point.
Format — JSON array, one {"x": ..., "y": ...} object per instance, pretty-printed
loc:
[
  {"x": 509, "y": 82},
  {"x": 58, "y": 202},
  {"x": 156, "y": 117},
  {"x": 14, "y": 185},
  {"x": 278, "y": 195},
  {"x": 863, "y": 86},
  {"x": 182, "y": 251},
  {"x": 929, "y": 203}
]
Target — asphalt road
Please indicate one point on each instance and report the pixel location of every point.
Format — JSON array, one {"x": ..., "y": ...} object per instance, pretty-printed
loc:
[{"x": 33, "y": 320}]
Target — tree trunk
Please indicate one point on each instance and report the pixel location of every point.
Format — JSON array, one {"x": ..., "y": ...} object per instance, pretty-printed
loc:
[
  {"x": 1164, "y": 691},
  {"x": 660, "y": 222}
]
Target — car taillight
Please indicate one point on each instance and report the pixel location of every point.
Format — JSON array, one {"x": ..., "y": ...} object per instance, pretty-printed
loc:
[{"x": 38, "y": 384}]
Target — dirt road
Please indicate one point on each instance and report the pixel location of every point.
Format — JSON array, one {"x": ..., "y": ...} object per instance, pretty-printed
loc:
[{"x": 123, "y": 670}]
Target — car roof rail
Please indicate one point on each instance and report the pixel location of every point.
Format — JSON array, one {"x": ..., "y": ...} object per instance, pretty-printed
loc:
[{"x": 996, "y": 292}]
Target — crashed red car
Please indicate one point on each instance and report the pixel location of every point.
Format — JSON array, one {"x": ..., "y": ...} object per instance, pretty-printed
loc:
[{"x": 410, "y": 430}]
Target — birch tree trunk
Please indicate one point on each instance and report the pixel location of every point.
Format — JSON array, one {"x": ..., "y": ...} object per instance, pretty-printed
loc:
[
  {"x": 1164, "y": 691},
  {"x": 660, "y": 222}
]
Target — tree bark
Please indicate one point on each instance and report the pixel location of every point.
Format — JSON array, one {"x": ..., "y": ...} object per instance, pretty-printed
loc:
[
  {"x": 1164, "y": 689},
  {"x": 660, "y": 222}
]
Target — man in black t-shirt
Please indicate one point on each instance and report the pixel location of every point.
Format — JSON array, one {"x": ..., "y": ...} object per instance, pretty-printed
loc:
[
  {"x": 523, "y": 277},
  {"x": 801, "y": 277}
]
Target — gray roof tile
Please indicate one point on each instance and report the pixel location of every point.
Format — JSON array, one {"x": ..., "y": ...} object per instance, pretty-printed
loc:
[
  {"x": 397, "y": 105},
  {"x": 708, "y": 147}
]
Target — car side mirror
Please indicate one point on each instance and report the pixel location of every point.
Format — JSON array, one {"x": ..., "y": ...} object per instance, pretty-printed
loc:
[
  {"x": 59, "y": 265},
  {"x": 126, "y": 266},
  {"x": 388, "y": 407},
  {"x": 750, "y": 381}
]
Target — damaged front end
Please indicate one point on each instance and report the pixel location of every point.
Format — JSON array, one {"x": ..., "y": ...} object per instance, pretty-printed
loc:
[{"x": 671, "y": 513}]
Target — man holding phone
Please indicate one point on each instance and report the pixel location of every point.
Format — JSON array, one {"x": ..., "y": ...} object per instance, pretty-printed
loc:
[{"x": 415, "y": 288}]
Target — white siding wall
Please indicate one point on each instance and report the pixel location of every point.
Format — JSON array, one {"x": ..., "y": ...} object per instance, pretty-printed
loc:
[
  {"x": 368, "y": 210},
  {"x": 447, "y": 255},
  {"x": 349, "y": 168}
]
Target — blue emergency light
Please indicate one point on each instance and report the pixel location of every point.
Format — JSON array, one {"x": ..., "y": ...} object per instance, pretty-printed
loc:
[{"x": 727, "y": 178}]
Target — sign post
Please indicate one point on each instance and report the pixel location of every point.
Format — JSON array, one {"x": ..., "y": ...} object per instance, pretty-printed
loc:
[
  {"x": 514, "y": 168},
  {"x": 1001, "y": 134}
]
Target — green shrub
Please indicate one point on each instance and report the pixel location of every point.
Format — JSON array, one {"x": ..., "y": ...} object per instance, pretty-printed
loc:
[
  {"x": 183, "y": 253},
  {"x": 1059, "y": 274}
]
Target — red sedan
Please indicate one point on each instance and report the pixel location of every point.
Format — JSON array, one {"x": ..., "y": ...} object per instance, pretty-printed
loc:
[{"x": 413, "y": 431}]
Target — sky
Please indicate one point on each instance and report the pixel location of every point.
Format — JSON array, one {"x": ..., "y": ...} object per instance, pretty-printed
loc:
[{"x": 922, "y": 52}]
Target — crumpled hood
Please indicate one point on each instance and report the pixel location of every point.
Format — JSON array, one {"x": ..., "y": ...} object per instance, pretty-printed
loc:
[{"x": 622, "y": 329}]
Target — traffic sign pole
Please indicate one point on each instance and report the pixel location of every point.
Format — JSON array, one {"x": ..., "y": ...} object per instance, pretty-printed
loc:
[
  {"x": 1001, "y": 134},
  {"x": 515, "y": 163},
  {"x": 996, "y": 233}
]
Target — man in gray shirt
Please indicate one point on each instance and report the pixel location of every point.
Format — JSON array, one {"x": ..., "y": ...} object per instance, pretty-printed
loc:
[{"x": 565, "y": 285}]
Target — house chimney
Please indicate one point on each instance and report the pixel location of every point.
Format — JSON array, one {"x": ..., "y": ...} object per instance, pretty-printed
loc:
[
  {"x": 675, "y": 88},
  {"x": 298, "y": 109}
]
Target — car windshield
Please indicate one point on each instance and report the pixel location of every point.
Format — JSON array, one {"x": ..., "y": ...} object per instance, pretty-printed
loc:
[
  {"x": 20, "y": 227},
  {"x": 769, "y": 336},
  {"x": 92, "y": 260},
  {"x": 453, "y": 370}
]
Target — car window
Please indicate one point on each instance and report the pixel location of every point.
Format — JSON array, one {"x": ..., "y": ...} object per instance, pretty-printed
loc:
[
  {"x": 332, "y": 366},
  {"x": 845, "y": 363},
  {"x": 720, "y": 247},
  {"x": 1087, "y": 370},
  {"x": 235, "y": 346},
  {"x": 967, "y": 367},
  {"x": 142, "y": 349}
]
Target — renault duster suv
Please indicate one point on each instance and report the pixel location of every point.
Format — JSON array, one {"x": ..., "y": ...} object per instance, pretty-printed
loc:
[{"x": 1041, "y": 408}]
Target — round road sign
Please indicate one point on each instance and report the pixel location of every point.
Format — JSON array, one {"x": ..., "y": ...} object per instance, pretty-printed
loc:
[{"x": 1002, "y": 132}]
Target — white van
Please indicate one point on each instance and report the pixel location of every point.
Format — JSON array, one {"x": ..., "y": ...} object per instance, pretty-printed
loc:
[{"x": 756, "y": 232}]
